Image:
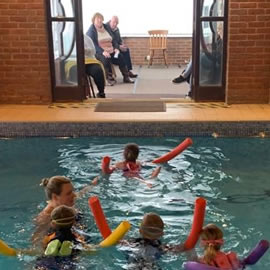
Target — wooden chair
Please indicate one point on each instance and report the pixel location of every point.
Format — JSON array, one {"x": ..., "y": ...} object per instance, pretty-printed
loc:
[{"x": 158, "y": 41}]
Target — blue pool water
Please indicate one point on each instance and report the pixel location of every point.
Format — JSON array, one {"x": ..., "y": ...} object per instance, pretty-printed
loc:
[{"x": 232, "y": 174}]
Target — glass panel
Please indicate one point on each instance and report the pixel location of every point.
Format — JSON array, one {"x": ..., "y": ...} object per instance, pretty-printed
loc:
[
  {"x": 62, "y": 8},
  {"x": 64, "y": 43},
  {"x": 211, "y": 53},
  {"x": 212, "y": 8}
]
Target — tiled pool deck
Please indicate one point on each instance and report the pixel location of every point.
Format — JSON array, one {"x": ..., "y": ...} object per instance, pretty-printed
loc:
[{"x": 180, "y": 119}]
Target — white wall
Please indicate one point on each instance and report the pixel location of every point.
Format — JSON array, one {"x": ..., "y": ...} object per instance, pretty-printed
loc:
[{"x": 136, "y": 17}]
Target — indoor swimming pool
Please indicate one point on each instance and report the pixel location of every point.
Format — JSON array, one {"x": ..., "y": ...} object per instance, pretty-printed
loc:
[{"x": 232, "y": 174}]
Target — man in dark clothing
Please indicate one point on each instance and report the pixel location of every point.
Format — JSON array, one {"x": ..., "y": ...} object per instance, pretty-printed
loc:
[{"x": 112, "y": 25}]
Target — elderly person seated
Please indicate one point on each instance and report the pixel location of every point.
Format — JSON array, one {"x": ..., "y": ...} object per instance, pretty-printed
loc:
[
  {"x": 93, "y": 67},
  {"x": 107, "y": 50},
  {"x": 112, "y": 24}
]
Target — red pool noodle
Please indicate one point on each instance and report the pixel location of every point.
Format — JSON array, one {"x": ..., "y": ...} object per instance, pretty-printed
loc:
[
  {"x": 197, "y": 224},
  {"x": 105, "y": 165},
  {"x": 99, "y": 216},
  {"x": 176, "y": 151}
]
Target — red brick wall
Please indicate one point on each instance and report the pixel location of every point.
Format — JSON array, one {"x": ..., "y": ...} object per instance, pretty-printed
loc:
[
  {"x": 179, "y": 50},
  {"x": 24, "y": 65},
  {"x": 249, "y": 51}
]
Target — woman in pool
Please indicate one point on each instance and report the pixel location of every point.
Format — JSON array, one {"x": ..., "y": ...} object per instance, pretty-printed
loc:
[{"x": 59, "y": 191}]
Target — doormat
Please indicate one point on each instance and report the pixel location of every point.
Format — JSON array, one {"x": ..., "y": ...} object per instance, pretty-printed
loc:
[{"x": 131, "y": 106}]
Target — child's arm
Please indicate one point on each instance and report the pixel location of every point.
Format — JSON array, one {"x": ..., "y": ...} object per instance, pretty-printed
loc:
[
  {"x": 88, "y": 249},
  {"x": 143, "y": 181},
  {"x": 174, "y": 248},
  {"x": 119, "y": 165},
  {"x": 87, "y": 188},
  {"x": 155, "y": 173},
  {"x": 30, "y": 252},
  {"x": 190, "y": 254}
]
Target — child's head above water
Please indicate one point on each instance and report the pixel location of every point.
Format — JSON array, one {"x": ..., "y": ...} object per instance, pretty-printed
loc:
[
  {"x": 63, "y": 216},
  {"x": 152, "y": 226},
  {"x": 131, "y": 152},
  {"x": 211, "y": 240}
]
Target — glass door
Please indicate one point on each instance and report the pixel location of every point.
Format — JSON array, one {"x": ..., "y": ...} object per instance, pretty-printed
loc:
[
  {"x": 209, "y": 50},
  {"x": 64, "y": 20}
]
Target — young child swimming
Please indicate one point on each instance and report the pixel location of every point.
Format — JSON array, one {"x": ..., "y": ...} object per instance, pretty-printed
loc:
[
  {"x": 148, "y": 248},
  {"x": 62, "y": 243},
  {"x": 212, "y": 241},
  {"x": 131, "y": 167}
]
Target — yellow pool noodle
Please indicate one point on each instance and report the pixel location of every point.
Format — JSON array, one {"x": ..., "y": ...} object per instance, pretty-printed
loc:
[
  {"x": 116, "y": 235},
  {"x": 6, "y": 250}
]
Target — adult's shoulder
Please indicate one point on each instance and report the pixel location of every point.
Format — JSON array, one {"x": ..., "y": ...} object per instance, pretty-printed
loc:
[
  {"x": 44, "y": 215},
  {"x": 108, "y": 29},
  {"x": 91, "y": 30}
]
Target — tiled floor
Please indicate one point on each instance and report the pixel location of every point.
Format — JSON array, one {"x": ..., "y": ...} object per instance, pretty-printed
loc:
[
  {"x": 176, "y": 111},
  {"x": 155, "y": 82}
]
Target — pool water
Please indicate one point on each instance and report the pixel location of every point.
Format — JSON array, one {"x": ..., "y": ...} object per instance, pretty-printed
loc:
[{"x": 231, "y": 174}]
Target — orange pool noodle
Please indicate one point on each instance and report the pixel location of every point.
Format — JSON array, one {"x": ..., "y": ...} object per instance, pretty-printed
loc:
[
  {"x": 99, "y": 216},
  {"x": 176, "y": 151},
  {"x": 105, "y": 165},
  {"x": 197, "y": 224}
]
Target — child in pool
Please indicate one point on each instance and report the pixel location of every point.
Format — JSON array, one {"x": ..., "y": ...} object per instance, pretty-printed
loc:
[
  {"x": 59, "y": 191},
  {"x": 62, "y": 243},
  {"x": 212, "y": 241},
  {"x": 131, "y": 166},
  {"x": 61, "y": 230},
  {"x": 149, "y": 248}
]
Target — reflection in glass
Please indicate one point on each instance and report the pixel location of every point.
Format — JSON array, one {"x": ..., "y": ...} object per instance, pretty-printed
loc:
[
  {"x": 62, "y": 8},
  {"x": 211, "y": 53},
  {"x": 212, "y": 8},
  {"x": 63, "y": 44}
]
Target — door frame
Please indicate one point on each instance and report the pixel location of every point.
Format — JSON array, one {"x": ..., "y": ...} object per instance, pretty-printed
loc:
[
  {"x": 67, "y": 92},
  {"x": 201, "y": 93}
]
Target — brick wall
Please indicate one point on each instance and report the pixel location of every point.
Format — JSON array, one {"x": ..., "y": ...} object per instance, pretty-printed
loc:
[
  {"x": 249, "y": 52},
  {"x": 179, "y": 50},
  {"x": 24, "y": 65}
]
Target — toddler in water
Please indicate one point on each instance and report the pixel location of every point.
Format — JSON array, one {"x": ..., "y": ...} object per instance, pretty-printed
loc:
[
  {"x": 212, "y": 241},
  {"x": 61, "y": 235},
  {"x": 62, "y": 243},
  {"x": 131, "y": 166},
  {"x": 148, "y": 247}
]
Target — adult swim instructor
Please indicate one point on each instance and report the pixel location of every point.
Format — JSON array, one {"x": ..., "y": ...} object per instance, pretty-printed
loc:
[{"x": 59, "y": 191}]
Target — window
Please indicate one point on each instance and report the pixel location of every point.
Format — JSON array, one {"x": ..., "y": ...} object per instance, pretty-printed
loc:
[{"x": 136, "y": 18}]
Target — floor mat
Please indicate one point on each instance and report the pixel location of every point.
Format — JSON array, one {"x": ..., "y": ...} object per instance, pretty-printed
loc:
[{"x": 131, "y": 106}]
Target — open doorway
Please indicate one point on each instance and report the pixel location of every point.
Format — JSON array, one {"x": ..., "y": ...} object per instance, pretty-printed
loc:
[
  {"x": 156, "y": 81},
  {"x": 65, "y": 28}
]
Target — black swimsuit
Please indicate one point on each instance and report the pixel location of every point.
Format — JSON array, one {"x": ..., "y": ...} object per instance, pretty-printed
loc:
[{"x": 145, "y": 254}]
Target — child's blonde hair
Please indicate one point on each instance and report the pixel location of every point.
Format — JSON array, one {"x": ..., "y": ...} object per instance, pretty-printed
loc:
[
  {"x": 212, "y": 240},
  {"x": 152, "y": 226}
]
